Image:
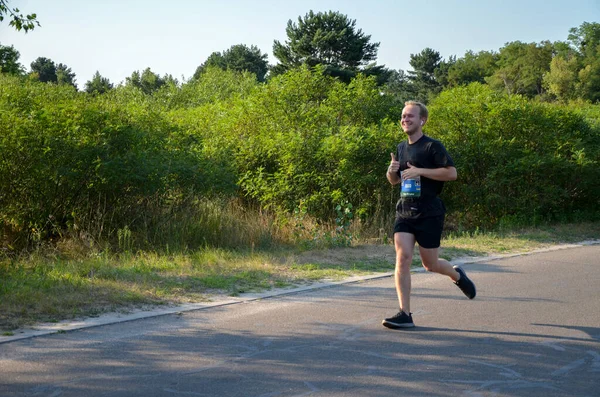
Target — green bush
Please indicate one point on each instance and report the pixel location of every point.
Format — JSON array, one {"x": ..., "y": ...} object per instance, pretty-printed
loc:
[
  {"x": 316, "y": 141},
  {"x": 128, "y": 168},
  {"x": 517, "y": 160},
  {"x": 72, "y": 161}
]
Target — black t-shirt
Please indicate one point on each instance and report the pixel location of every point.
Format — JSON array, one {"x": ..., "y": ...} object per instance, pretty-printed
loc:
[{"x": 424, "y": 153}]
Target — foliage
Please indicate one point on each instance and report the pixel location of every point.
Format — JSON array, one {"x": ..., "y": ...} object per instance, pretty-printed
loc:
[
  {"x": 44, "y": 70},
  {"x": 64, "y": 75},
  {"x": 586, "y": 39},
  {"x": 343, "y": 222},
  {"x": 399, "y": 86},
  {"x": 9, "y": 61},
  {"x": 313, "y": 135},
  {"x": 136, "y": 166},
  {"x": 330, "y": 39},
  {"x": 472, "y": 68},
  {"x": 90, "y": 165},
  {"x": 561, "y": 80},
  {"x": 238, "y": 58},
  {"x": 428, "y": 68},
  {"x": 517, "y": 159},
  {"x": 98, "y": 84},
  {"x": 17, "y": 20},
  {"x": 589, "y": 80},
  {"x": 214, "y": 86},
  {"x": 148, "y": 81},
  {"x": 521, "y": 68}
]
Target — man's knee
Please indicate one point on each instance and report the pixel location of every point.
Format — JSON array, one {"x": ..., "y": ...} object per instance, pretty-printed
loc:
[
  {"x": 429, "y": 259},
  {"x": 430, "y": 266},
  {"x": 403, "y": 262}
]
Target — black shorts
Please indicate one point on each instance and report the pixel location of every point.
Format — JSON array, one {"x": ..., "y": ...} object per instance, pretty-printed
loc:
[{"x": 427, "y": 231}]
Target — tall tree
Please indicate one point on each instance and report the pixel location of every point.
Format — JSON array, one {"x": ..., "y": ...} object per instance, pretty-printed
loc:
[
  {"x": 440, "y": 74},
  {"x": 147, "y": 81},
  {"x": 215, "y": 59},
  {"x": 9, "y": 61},
  {"x": 330, "y": 39},
  {"x": 64, "y": 75},
  {"x": 586, "y": 39},
  {"x": 239, "y": 58},
  {"x": 17, "y": 20},
  {"x": 168, "y": 79},
  {"x": 98, "y": 84},
  {"x": 44, "y": 69},
  {"x": 472, "y": 67},
  {"x": 565, "y": 49},
  {"x": 561, "y": 80},
  {"x": 422, "y": 76},
  {"x": 399, "y": 86},
  {"x": 521, "y": 68},
  {"x": 589, "y": 81}
]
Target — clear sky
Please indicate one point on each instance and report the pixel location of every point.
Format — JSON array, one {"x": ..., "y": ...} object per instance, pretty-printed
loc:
[{"x": 117, "y": 37}]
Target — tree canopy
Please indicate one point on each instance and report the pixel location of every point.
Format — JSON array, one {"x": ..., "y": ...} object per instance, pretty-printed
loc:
[
  {"x": 240, "y": 58},
  {"x": 521, "y": 68},
  {"x": 148, "y": 81},
  {"x": 330, "y": 43},
  {"x": 44, "y": 70},
  {"x": 472, "y": 67},
  {"x": 98, "y": 84},
  {"x": 330, "y": 39},
  {"x": 9, "y": 61},
  {"x": 586, "y": 39},
  {"x": 64, "y": 75},
  {"x": 423, "y": 75}
]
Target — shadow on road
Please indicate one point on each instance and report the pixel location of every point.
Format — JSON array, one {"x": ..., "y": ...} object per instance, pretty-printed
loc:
[{"x": 309, "y": 351}]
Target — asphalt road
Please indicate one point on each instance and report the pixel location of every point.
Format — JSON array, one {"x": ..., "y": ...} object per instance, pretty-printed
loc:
[{"x": 533, "y": 330}]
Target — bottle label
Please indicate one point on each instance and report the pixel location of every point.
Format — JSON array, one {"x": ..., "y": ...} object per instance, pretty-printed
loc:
[{"x": 411, "y": 188}]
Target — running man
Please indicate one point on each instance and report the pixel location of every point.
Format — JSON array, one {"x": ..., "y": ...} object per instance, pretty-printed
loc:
[{"x": 421, "y": 165}]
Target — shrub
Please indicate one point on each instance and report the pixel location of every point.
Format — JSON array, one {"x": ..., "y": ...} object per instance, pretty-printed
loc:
[{"x": 517, "y": 159}]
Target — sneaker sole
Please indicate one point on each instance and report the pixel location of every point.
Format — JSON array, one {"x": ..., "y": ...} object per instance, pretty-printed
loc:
[{"x": 387, "y": 324}]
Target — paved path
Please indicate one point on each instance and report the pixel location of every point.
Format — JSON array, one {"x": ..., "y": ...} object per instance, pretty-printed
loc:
[{"x": 533, "y": 330}]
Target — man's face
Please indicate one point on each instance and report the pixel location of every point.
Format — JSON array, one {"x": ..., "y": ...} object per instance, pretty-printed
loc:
[{"x": 411, "y": 119}]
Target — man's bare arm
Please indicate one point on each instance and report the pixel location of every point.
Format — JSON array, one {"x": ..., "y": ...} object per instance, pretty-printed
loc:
[
  {"x": 442, "y": 174},
  {"x": 392, "y": 172}
]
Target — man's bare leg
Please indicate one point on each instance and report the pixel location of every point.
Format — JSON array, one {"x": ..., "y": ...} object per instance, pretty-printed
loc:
[
  {"x": 433, "y": 263},
  {"x": 404, "y": 244}
]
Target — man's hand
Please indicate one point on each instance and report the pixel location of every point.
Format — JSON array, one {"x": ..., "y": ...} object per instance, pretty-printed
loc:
[
  {"x": 411, "y": 172},
  {"x": 394, "y": 165},
  {"x": 392, "y": 172},
  {"x": 442, "y": 174}
]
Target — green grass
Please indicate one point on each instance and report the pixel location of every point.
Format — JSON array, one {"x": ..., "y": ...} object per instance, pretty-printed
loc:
[
  {"x": 49, "y": 288},
  {"x": 520, "y": 240}
]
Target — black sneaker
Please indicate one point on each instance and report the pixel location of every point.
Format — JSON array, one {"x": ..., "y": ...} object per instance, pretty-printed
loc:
[
  {"x": 400, "y": 320},
  {"x": 465, "y": 284}
]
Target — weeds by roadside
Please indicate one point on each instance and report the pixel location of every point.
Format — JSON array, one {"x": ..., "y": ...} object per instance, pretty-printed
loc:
[{"x": 50, "y": 286}]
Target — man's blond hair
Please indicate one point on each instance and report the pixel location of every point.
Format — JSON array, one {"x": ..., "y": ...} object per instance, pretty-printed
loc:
[{"x": 423, "y": 112}]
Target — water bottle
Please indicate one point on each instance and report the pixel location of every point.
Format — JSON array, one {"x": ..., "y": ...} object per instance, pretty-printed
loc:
[{"x": 410, "y": 188}]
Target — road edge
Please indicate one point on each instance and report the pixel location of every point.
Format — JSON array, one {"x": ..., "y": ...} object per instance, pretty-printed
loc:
[{"x": 115, "y": 318}]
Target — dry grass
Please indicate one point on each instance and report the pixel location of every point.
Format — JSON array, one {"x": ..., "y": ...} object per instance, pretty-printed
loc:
[{"x": 73, "y": 279}]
